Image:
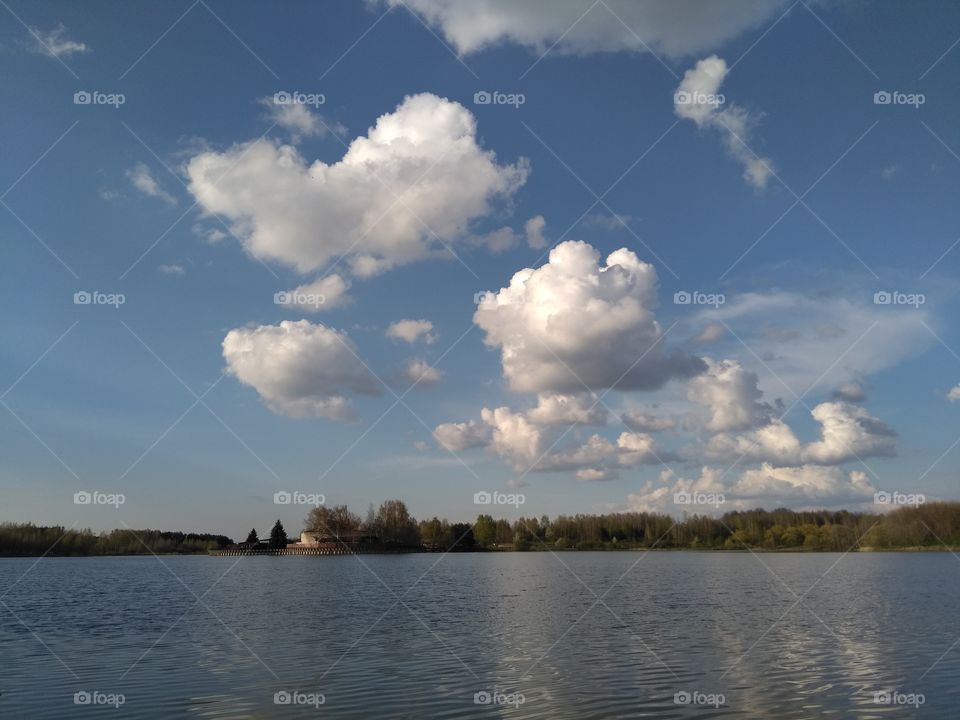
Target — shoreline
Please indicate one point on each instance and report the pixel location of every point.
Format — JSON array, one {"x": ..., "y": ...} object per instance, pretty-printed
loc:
[{"x": 345, "y": 553}]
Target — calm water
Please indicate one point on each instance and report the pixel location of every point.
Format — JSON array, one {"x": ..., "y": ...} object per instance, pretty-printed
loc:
[{"x": 219, "y": 637}]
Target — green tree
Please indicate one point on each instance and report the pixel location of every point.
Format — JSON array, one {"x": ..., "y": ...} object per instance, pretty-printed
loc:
[
  {"x": 485, "y": 531},
  {"x": 396, "y": 526},
  {"x": 278, "y": 536},
  {"x": 252, "y": 537}
]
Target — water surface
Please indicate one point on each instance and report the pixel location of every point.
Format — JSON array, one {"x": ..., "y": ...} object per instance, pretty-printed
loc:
[{"x": 572, "y": 635}]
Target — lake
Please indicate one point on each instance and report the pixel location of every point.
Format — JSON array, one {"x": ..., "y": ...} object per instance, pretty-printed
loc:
[{"x": 518, "y": 635}]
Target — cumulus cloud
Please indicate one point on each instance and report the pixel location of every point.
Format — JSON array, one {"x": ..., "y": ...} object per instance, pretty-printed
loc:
[
  {"x": 299, "y": 369},
  {"x": 56, "y": 44},
  {"x": 732, "y": 395},
  {"x": 769, "y": 486},
  {"x": 573, "y": 322},
  {"x": 422, "y": 373},
  {"x": 530, "y": 441},
  {"x": 327, "y": 293},
  {"x": 954, "y": 394},
  {"x": 670, "y": 27},
  {"x": 142, "y": 179},
  {"x": 413, "y": 183},
  {"x": 458, "y": 437},
  {"x": 596, "y": 474},
  {"x": 300, "y": 120},
  {"x": 697, "y": 98},
  {"x": 568, "y": 410},
  {"x": 412, "y": 330},
  {"x": 847, "y": 432},
  {"x": 533, "y": 229}
]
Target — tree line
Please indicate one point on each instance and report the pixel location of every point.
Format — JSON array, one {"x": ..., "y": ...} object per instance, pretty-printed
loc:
[
  {"x": 391, "y": 526},
  {"x": 927, "y": 526},
  {"x": 27, "y": 539}
]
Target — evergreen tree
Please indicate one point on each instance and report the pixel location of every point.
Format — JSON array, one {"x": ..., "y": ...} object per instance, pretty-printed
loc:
[
  {"x": 278, "y": 536},
  {"x": 252, "y": 537}
]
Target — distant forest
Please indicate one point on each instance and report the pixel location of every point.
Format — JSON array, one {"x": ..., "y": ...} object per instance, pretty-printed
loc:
[
  {"x": 31, "y": 540},
  {"x": 929, "y": 526}
]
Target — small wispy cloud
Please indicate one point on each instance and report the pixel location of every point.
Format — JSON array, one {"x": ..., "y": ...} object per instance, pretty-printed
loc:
[
  {"x": 172, "y": 269},
  {"x": 141, "y": 178},
  {"x": 300, "y": 120},
  {"x": 56, "y": 44}
]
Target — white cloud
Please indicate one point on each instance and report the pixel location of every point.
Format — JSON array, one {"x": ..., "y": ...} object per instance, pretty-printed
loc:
[
  {"x": 425, "y": 153},
  {"x": 172, "y": 269},
  {"x": 571, "y": 323},
  {"x": 954, "y": 394},
  {"x": 697, "y": 98},
  {"x": 327, "y": 293},
  {"x": 533, "y": 229},
  {"x": 529, "y": 443},
  {"x": 55, "y": 43},
  {"x": 412, "y": 330},
  {"x": 300, "y": 120},
  {"x": 671, "y": 27},
  {"x": 732, "y": 395},
  {"x": 298, "y": 368},
  {"x": 141, "y": 178},
  {"x": 515, "y": 438},
  {"x": 765, "y": 486},
  {"x": 210, "y": 235},
  {"x": 596, "y": 474},
  {"x": 421, "y": 372},
  {"x": 458, "y": 437},
  {"x": 847, "y": 432},
  {"x": 568, "y": 410}
]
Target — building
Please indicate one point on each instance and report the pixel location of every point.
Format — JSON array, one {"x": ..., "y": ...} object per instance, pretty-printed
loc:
[{"x": 310, "y": 538}]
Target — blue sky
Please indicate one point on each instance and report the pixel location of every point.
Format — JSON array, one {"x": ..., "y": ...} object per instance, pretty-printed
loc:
[{"x": 134, "y": 200}]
